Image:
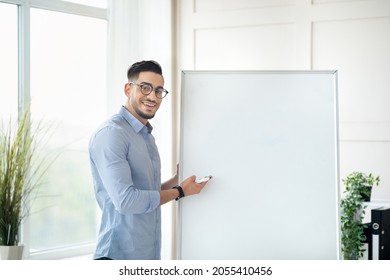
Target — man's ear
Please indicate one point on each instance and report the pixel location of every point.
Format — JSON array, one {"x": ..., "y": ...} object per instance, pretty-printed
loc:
[{"x": 127, "y": 89}]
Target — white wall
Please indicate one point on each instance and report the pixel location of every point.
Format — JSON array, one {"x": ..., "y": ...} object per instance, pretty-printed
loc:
[{"x": 351, "y": 36}]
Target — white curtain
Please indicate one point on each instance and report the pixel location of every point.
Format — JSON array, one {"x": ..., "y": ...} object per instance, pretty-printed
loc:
[
  {"x": 138, "y": 30},
  {"x": 142, "y": 30}
]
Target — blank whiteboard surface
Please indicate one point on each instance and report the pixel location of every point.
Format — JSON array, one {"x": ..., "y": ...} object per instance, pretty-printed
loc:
[{"x": 270, "y": 141}]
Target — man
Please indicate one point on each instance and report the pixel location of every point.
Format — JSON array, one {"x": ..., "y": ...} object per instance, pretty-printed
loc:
[{"x": 126, "y": 171}]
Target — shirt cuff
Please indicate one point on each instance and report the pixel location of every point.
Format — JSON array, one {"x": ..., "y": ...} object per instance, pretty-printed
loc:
[{"x": 154, "y": 200}]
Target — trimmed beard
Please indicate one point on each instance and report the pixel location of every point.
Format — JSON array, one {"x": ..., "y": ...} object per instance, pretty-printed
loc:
[{"x": 143, "y": 115}]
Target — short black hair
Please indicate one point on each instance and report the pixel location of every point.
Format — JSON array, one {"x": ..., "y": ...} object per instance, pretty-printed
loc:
[{"x": 143, "y": 66}]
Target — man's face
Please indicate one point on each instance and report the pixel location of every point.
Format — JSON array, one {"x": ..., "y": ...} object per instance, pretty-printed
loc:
[{"x": 144, "y": 107}]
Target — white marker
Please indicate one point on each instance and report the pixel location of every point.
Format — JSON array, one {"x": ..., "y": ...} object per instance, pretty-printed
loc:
[{"x": 204, "y": 179}]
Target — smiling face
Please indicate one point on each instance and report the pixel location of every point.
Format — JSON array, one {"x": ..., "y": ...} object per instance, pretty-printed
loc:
[{"x": 143, "y": 107}]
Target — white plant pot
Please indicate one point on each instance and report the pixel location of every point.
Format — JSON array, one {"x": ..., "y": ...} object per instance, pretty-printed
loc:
[{"x": 11, "y": 252}]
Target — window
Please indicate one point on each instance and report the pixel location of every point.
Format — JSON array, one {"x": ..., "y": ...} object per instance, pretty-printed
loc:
[
  {"x": 68, "y": 90},
  {"x": 9, "y": 62},
  {"x": 67, "y": 77},
  {"x": 59, "y": 67}
]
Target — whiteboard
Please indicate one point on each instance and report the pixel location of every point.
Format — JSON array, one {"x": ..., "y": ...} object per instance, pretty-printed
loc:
[{"x": 270, "y": 140}]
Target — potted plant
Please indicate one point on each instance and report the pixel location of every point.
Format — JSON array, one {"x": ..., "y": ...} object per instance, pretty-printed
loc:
[
  {"x": 358, "y": 187},
  {"x": 20, "y": 172}
]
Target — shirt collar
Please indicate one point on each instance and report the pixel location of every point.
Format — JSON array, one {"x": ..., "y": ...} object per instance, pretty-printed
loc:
[{"x": 135, "y": 124}]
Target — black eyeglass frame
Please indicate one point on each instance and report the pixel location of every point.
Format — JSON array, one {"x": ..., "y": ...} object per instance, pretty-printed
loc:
[{"x": 163, "y": 94}]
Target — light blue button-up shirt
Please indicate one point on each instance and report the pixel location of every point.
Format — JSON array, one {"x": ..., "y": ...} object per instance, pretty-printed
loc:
[{"x": 126, "y": 172}]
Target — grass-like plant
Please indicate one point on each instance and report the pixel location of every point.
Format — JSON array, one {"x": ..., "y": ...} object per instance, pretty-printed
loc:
[
  {"x": 21, "y": 169},
  {"x": 358, "y": 186}
]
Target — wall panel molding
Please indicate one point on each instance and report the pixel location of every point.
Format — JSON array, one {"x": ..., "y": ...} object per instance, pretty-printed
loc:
[{"x": 202, "y": 6}]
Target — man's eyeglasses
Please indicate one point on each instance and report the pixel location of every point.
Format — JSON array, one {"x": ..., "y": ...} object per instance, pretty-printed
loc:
[{"x": 146, "y": 89}]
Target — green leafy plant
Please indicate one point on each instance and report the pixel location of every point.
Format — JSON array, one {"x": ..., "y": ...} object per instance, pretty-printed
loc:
[
  {"x": 21, "y": 169},
  {"x": 358, "y": 185}
]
